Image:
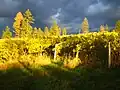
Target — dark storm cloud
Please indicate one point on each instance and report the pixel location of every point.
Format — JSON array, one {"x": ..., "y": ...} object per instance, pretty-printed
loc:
[
  {"x": 68, "y": 13},
  {"x": 105, "y": 12}
]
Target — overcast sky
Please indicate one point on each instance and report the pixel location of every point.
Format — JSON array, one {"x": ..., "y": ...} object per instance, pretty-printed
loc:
[{"x": 68, "y": 13}]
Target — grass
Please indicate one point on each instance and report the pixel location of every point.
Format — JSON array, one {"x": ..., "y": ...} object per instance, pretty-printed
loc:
[{"x": 44, "y": 75}]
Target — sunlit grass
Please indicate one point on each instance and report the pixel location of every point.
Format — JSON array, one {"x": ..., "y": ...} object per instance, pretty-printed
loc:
[
  {"x": 72, "y": 63},
  {"x": 45, "y": 75}
]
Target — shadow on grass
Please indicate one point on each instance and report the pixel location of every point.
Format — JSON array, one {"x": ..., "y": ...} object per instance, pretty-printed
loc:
[{"x": 53, "y": 77}]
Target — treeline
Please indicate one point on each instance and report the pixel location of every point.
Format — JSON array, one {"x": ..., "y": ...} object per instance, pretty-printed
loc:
[{"x": 22, "y": 26}]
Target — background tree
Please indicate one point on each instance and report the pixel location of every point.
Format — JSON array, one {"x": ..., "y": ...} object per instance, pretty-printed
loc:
[
  {"x": 64, "y": 31},
  {"x": 6, "y": 33},
  {"x": 102, "y": 29},
  {"x": 85, "y": 26},
  {"x": 26, "y": 24},
  {"x": 37, "y": 33},
  {"x": 55, "y": 29},
  {"x": 117, "y": 26},
  {"x": 28, "y": 17},
  {"x": 40, "y": 32},
  {"x": 26, "y": 29},
  {"x": 46, "y": 31},
  {"x": 17, "y": 24},
  {"x": 34, "y": 34},
  {"x": 106, "y": 28}
]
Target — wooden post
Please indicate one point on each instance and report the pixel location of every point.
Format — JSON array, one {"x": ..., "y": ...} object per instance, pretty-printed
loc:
[
  {"x": 77, "y": 54},
  {"x": 55, "y": 53},
  {"x": 109, "y": 56}
]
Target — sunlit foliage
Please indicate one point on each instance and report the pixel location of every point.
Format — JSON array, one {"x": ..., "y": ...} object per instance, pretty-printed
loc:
[{"x": 7, "y": 34}]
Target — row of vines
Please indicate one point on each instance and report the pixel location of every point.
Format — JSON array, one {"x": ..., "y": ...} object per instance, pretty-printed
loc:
[{"x": 90, "y": 48}]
